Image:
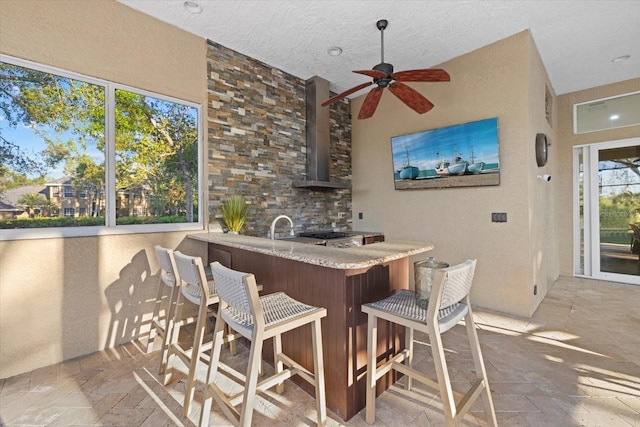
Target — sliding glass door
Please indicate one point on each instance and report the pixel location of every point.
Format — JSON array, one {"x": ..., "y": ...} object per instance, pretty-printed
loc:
[{"x": 607, "y": 210}]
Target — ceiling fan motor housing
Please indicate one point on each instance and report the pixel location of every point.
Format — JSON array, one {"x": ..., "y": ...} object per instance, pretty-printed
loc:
[{"x": 384, "y": 68}]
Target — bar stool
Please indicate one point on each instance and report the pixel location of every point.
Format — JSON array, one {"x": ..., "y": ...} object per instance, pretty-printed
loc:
[
  {"x": 258, "y": 319},
  {"x": 448, "y": 304},
  {"x": 162, "y": 326},
  {"x": 196, "y": 289}
]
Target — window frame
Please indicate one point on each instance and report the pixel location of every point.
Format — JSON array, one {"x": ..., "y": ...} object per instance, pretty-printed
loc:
[
  {"x": 576, "y": 107},
  {"x": 110, "y": 227}
]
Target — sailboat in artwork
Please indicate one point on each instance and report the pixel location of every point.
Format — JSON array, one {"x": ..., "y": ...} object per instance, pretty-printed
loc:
[
  {"x": 458, "y": 167},
  {"x": 474, "y": 167},
  {"x": 408, "y": 171}
]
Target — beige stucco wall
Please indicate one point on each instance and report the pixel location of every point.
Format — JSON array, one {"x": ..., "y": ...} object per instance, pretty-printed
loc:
[
  {"x": 104, "y": 39},
  {"x": 61, "y": 298},
  {"x": 543, "y": 242},
  {"x": 504, "y": 80},
  {"x": 564, "y": 151}
]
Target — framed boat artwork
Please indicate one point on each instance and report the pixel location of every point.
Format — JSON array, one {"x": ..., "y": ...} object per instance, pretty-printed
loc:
[{"x": 462, "y": 155}]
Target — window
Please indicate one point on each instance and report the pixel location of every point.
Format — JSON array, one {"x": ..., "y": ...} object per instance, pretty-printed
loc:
[
  {"x": 156, "y": 149},
  {"x": 607, "y": 113},
  {"x": 126, "y": 159}
]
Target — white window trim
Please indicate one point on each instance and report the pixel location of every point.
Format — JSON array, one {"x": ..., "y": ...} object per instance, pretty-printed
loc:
[{"x": 110, "y": 227}]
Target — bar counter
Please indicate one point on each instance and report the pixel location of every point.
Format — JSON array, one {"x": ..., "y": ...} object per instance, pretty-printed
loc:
[{"x": 339, "y": 279}]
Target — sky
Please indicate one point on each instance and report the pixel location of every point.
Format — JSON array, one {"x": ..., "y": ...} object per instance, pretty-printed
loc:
[
  {"x": 427, "y": 147},
  {"x": 31, "y": 143}
]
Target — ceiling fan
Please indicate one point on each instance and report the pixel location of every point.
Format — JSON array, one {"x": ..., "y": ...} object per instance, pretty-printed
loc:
[{"x": 384, "y": 77}]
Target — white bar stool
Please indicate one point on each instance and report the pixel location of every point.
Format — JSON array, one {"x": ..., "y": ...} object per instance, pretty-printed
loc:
[
  {"x": 258, "y": 319},
  {"x": 162, "y": 325},
  {"x": 196, "y": 289},
  {"x": 448, "y": 304}
]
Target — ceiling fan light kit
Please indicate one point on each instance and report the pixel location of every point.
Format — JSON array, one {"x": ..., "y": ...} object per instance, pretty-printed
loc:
[{"x": 384, "y": 77}]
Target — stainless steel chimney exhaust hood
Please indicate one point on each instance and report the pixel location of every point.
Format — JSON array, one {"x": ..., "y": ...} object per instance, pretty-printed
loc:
[{"x": 318, "y": 133}]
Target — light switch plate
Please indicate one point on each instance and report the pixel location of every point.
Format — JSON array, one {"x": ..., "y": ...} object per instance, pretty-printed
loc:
[{"x": 498, "y": 217}]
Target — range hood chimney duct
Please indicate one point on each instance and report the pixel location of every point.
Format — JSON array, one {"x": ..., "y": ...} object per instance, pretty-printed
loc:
[{"x": 318, "y": 134}]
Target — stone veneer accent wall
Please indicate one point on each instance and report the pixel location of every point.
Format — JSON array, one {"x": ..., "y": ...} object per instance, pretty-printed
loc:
[{"x": 257, "y": 146}]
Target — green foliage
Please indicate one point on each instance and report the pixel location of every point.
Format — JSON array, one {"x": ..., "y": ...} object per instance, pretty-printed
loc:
[
  {"x": 130, "y": 220},
  {"x": 62, "y": 221},
  {"x": 234, "y": 212},
  {"x": 616, "y": 213},
  {"x": 32, "y": 200},
  {"x": 85, "y": 221},
  {"x": 12, "y": 159},
  {"x": 10, "y": 179}
]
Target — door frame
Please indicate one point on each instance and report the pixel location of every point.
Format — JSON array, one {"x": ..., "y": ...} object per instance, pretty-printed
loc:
[{"x": 586, "y": 244}]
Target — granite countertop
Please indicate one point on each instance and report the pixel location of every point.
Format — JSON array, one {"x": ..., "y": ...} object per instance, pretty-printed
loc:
[{"x": 339, "y": 258}]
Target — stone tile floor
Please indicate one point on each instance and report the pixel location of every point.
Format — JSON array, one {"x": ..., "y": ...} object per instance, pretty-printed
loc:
[{"x": 576, "y": 362}]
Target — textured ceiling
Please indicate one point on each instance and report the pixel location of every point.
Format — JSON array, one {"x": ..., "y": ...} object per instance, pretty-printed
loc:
[{"x": 577, "y": 39}]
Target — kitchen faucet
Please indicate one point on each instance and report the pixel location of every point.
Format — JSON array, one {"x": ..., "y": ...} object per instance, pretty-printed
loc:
[{"x": 272, "y": 233}]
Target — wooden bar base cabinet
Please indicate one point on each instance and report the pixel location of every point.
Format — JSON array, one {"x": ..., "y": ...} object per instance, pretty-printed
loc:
[{"x": 344, "y": 331}]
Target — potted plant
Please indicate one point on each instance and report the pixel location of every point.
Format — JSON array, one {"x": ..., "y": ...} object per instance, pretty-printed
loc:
[{"x": 234, "y": 213}]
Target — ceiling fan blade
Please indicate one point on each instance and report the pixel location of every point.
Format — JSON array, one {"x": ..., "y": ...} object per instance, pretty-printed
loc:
[
  {"x": 411, "y": 97},
  {"x": 372, "y": 73},
  {"x": 427, "y": 75},
  {"x": 345, "y": 93},
  {"x": 370, "y": 103}
]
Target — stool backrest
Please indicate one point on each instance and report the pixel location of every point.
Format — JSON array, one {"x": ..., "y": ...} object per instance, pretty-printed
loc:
[
  {"x": 457, "y": 282},
  {"x": 238, "y": 290},
  {"x": 167, "y": 265},
  {"x": 191, "y": 272}
]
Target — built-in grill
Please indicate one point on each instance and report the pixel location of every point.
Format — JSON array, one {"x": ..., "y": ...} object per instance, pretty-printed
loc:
[
  {"x": 336, "y": 239},
  {"x": 325, "y": 235}
]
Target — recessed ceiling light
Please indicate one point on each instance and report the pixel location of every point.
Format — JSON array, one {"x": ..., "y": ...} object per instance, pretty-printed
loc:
[
  {"x": 621, "y": 58},
  {"x": 335, "y": 51},
  {"x": 192, "y": 7},
  {"x": 614, "y": 117}
]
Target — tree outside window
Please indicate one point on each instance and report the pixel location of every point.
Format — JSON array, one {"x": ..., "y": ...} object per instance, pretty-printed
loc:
[{"x": 54, "y": 136}]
